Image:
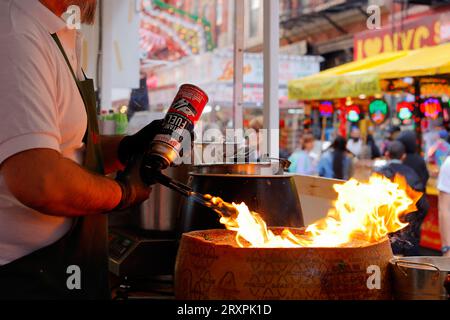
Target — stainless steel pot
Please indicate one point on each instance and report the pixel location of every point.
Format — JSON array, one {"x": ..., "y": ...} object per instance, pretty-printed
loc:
[
  {"x": 275, "y": 197},
  {"x": 159, "y": 212},
  {"x": 420, "y": 278},
  {"x": 266, "y": 168}
]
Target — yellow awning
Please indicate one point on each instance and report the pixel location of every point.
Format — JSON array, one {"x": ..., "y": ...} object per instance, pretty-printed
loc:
[
  {"x": 428, "y": 61},
  {"x": 363, "y": 76}
]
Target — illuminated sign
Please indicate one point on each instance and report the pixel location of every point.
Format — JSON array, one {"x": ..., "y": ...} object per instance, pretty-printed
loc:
[
  {"x": 405, "y": 110},
  {"x": 326, "y": 109},
  {"x": 353, "y": 113},
  {"x": 378, "y": 111},
  {"x": 431, "y": 108}
]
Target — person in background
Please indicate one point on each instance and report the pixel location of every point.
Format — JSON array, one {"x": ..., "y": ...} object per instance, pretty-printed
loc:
[
  {"x": 406, "y": 241},
  {"x": 301, "y": 160},
  {"x": 355, "y": 143},
  {"x": 413, "y": 159},
  {"x": 374, "y": 150},
  {"x": 336, "y": 162},
  {"x": 392, "y": 134},
  {"x": 139, "y": 100},
  {"x": 440, "y": 149},
  {"x": 444, "y": 206},
  {"x": 255, "y": 150}
]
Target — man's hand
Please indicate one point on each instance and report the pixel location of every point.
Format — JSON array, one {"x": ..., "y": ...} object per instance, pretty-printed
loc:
[
  {"x": 134, "y": 190},
  {"x": 138, "y": 144}
]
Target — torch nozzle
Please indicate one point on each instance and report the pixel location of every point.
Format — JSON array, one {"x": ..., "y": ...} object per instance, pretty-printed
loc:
[{"x": 223, "y": 208}]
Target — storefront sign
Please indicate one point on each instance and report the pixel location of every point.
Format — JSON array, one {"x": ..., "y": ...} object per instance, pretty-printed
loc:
[
  {"x": 414, "y": 34},
  {"x": 378, "y": 110},
  {"x": 291, "y": 67},
  {"x": 353, "y": 113},
  {"x": 214, "y": 73},
  {"x": 326, "y": 109},
  {"x": 431, "y": 108},
  {"x": 430, "y": 235},
  {"x": 405, "y": 110}
]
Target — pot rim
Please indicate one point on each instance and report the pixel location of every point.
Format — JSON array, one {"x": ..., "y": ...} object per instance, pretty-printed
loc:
[
  {"x": 236, "y": 175},
  {"x": 426, "y": 261}
]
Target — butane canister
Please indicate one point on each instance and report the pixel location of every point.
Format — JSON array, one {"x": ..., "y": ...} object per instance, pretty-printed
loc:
[{"x": 179, "y": 122}]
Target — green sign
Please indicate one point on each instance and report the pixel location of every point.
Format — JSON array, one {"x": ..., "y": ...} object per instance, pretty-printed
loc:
[{"x": 378, "y": 111}]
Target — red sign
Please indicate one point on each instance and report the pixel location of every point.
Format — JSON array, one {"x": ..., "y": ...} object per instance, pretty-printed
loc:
[
  {"x": 430, "y": 236},
  {"x": 414, "y": 34},
  {"x": 431, "y": 108},
  {"x": 326, "y": 109}
]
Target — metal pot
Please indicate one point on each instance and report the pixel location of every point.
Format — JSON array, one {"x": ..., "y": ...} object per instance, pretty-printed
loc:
[
  {"x": 253, "y": 168},
  {"x": 420, "y": 278},
  {"x": 275, "y": 197},
  {"x": 160, "y": 211}
]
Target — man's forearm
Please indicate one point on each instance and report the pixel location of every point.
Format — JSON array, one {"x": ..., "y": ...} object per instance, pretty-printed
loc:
[
  {"x": 110, "y": 146},
  {"x": 444, "y": 218},
  {"x": 49, "y": 183}
]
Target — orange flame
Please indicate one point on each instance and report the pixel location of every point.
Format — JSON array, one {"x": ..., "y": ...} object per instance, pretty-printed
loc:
[{"x": 363, "y": 213}]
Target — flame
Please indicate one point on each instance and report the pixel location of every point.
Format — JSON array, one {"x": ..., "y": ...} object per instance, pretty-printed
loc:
[{"x": 363, "y": 213}]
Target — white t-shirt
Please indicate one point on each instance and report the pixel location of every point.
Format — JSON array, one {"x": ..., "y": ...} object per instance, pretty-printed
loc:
[
  {"x": 444, "y": 177},
  {"x": 355, "y": 147},
  {"x": 40, "y": 107}
]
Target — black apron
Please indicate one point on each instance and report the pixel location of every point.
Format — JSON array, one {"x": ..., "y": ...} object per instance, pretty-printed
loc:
[{"x": 45, "y": 273}]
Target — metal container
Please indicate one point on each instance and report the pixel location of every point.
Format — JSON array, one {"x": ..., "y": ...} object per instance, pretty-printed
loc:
[
  {"x": 255, "y": 168},
  {"x": 274, "y": 197},
  {"x": 179, "y": 122},
  {"x": 159, "y": 212},
  {"x": 420, "y": 278}
]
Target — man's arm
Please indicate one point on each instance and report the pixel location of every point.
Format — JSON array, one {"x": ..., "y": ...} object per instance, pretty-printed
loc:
[
  {"x": 444, "y": 219},
  {"x": 110, "y": 148},
  {"x": 118, "y": 150},
  {"x": 47, "y": 182}
]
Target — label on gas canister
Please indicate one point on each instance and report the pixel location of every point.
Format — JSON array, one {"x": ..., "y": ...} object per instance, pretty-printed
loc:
[{"x": 182, "y": 116}]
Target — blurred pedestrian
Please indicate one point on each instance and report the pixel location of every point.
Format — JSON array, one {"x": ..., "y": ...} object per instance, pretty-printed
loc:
[
  {"x": 373, "y": 148},
  {"x": 355, "y": 143},
  {"x": 301, "y": 160},
  {"x": 406, "y": 241},
  {"x": 413, "y": 159},
  {"x": 336, "y": 162},
  {"x": 444, "y": 206},
  {"x": 391, "y": 134},
  {"x": 439, "y": 151},
  {"x": 254, "y": 149}
]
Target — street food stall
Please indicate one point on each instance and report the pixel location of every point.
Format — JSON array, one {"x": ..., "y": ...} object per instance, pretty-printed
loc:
[
  {"x": 239, "y": 231},
  {"x": 234, "y": 226}
]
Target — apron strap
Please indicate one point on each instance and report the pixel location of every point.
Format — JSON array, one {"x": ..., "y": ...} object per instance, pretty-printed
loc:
[
  {"x": 77, "y": 82},
  {"x": 61, "y": 48}
]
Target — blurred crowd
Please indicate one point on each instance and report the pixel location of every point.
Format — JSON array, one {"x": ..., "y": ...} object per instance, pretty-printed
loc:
[{"x": 397, "y": 154}]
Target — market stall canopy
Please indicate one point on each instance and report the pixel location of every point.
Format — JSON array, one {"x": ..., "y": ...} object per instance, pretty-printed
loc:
[
  {"x": 430, "y": 61},
  {"x": 363, "y": 77}
]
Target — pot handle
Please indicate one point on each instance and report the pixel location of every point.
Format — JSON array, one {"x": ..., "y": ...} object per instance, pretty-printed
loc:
[
  {"x": 422, "y": 264},
  {"x": 447, "y": 285}
]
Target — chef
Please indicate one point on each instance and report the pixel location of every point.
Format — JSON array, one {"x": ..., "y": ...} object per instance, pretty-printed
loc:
[{"x": 53, "y": 190}]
